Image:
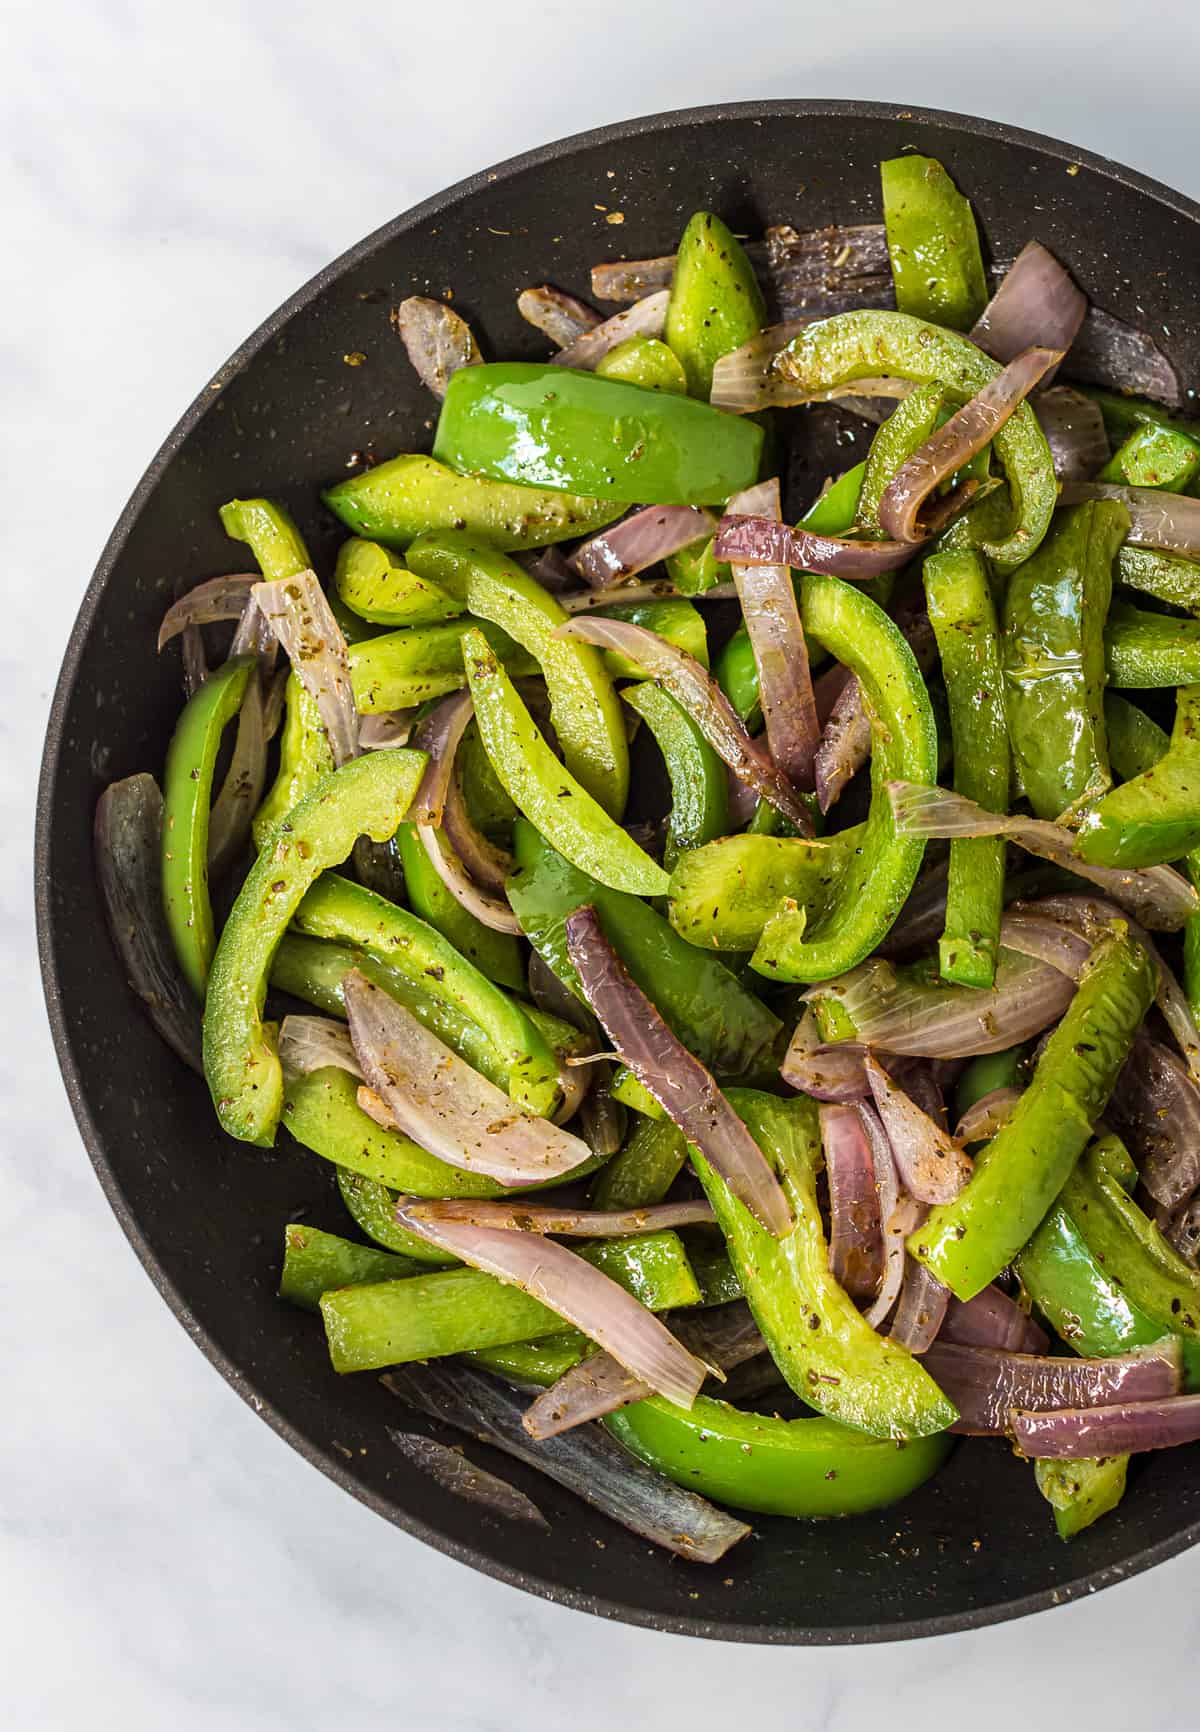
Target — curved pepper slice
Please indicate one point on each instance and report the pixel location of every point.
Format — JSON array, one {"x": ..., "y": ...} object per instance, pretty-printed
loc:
[
  {"x": 723, "y": 895},
  {"x": 826, "y": 1350},
  {"x": 868, "y": 344},
  {"x": 368, "y": 796},
  {"x": 699, "y": 783},
  {"x": 375, "y": 583},
  {"x": 1144, "y": 651},
  {"x": 335, "y": 908},
  {"x": 372, "y": 1207},
  {"x": 1154, "y": 457},
  {"x": 551, "y": 426},
  {"x": 707, "y": 1007},
  {"x": 1054, "y": 613},
  {"x": 787, "y": 1467},
  {"x": 646, "y": 362},
  {"x": 540, "y": 787},
  {"x": 401, "y": 669},
  {"x": 716, "y": 304},
  {"x": 584, "y": 708},
  {"x": 1080, "y": 1492},
  {"x": 270, "y": 532},
  {"x": 496, "y": 954},
  {"x": 187, "y": 805},
  {"x": 1155, "y": 817},
  {"x": 407, "y": 496},
  {"x": 881, "y": 871},
  {"x": 932, "y": 242},
  {"x": 968, "y": 1242}
]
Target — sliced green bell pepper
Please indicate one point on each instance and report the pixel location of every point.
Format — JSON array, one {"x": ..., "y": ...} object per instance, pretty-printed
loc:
[
  {"x": 372, "y": 1207},
  {"x": 1080, "y": 1492},
  {"x": 883, "y": 867},
  {"x": 646, "y": 362},
  {"x": 496, "y": 954},
  {"x": 826, "y": 1350},
  {"x": 716, "y": 304},
  {"x": 933, "y": 243},
  {"x": 644, "y": 1170},
  {"x": 1155, "y": 817},
  {"x": 404, "y": 668},
  {"x": 270, "y": 532},
  {"x": 698, "y": 780},
  {"x": 712, "y": 1013},
  {"x": 187, "y": 807},
  {"x": 1124, "y": 415},
  {"x": 968, "y": 1242},
  {"x": 1154, "y": 457},
  {"x": 305, "y": 759},
  {"x": 672, "y": 617},
  {"x": 544, "y": 790},
  {"x": 315, "y": 1263},
  {"x": 867, "y": 344},
  {"x": 408, "y": 496},
  {"x": 988, "y": 1071},
  {"x": 1169, "y": 577},
  {"x": 584, "y": 707},
  {"x": 723, "y": 895},
  {"x": 1145, "y": 650},
  {"x": 1054, "y": 613},
  {"x": 906, "y": 429},
  {"x": 541, "y": 1362},
  {"x": 368, "y": 796},
  {"x": 375, "y": 583},
  {"x": 959, "y": 596},
  {"x": 553, "y": 427}
]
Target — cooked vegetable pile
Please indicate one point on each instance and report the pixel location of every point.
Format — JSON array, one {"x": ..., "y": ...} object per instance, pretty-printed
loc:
[{"x": 749, "y": 963}]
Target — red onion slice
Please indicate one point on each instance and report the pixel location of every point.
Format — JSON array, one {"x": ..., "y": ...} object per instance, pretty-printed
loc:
[
  {"x": 445, "y": 1105},
  {"x": 1088, "y": 1433},
  {"x": 992, "y": 1319},
  {"x": 965, "y": 434},
  {"x": 309, "y": 1043},
  {"x": 828, "y": 1072},
  {"x": 1075, "y": 432},
  {"x": 450, "y": 1468},
  {"x": 898, "y": 1213},
  {"x": 298, "y": 613},
  {"x": 985, "y": 1384},
  {"x": 1118, "y": 356},
  {"x": 920, "y": 1310},
  {"x": 438, "y": 341},
  {"x": 638, "y": 541},
  {"x": 574, "y": 1290},
  {"x": 1182, "y": 1229},
  {"x": 768, "y": 599},
  {"x": 127, "y": 842},
  {"x": 600, "y": 1384},
  {"x": 763, "y": 541},
  {"x": 1037, "y": 302},
  {"x": 483, "y": 861},
  {"x": 590, "y": 600},
  {"x": 844, "y": 746},
  {"x": 923, "y": 916},
  {"x": 679, "y": 1082},
  {"x": 646, "y": 318},
  {"x": 558, "y": 316},
  {"x": 1046, "y": 940},
  {"x": 989, "y": 1114},
  {"x": 217, "y": 598},
  {"x": 439, "y": 733},
  {"x": 699, "y": 694},
  {"x": 586, "y": 1461},
  {"x": 255, "y": 637},
  {"x": 241, "y": 792},
  {"x": 383, "y": 729},
  {"x": 855, "y": 1224},
  {"x": 1158, "y": 896},
  {"x": 1156, "y": 518},
  {"x": 491, "y": 911},
  {"x": 1156, "y": 1107},
  {"x": 933, "y": 1168},
  {"x": 525, "y": 1217}
]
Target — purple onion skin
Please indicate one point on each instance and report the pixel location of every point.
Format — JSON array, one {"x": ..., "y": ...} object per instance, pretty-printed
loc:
[
  {"x": 986, "y": 1384},
  {"x": 1127, "y": 1428}
]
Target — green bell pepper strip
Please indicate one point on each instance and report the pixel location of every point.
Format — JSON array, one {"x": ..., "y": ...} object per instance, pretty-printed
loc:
[
  {"x": 968, "y": 1242},
  {"x": 696, "y": 568},
  {"x": 990, "y": 1070},
  {"x": 1054, "y": 614},
  {"x": 407, "y": 667},
  {"x": 368, "y": 796},
  {"x": 1081, "y": 1299},
  {"x": 699, "y": 784},
  {"x": 270, "y": 533},
  {"x": 867, "y": 344},
  {"x": 646, "y": 362},
  {"x": 1080, "y": 1492},
  {"x": 459, "y": 1310},
  {"x": 787, "y": 1467},
  {"x": 1124, "y": 415},
  {"x": 716, "y": 304},
  {"x": 626, "y": 1089},
  {"x": 315, "y": 1263},
  {"x": 541, "y": 1362},
  {"x": 644, "y": 1170},
  {"x": 883, "y": 867},
  {"x": 486, "y": 799},
  {"x": 1144, "y": 651},
  {"x": 1154, "y": 457},
  {"x": 826, "y": 1350},
  {"x": 544, "y": 790},
  {"x": 906, "y": 429},
  {"x": 723, "y": 895},
  {"x": 187, "y": 807},
  {"x": 335, "y": 908},
  {"x": 834, "y": 513},
  {"x": 584, "y": 708},
  {"x": 408, "y": 496},
  {"x": 707, "y": 1008},
  {"x": 375, "y": 583},
  {"x": 322, "y": 1112},
  {"x": 1168, "y": 577},
  {"x": 672, "y": 617},
  {"x": 933, "y": 243},
  {"x": 549, "y": 426},
  {"x": 305, "y": 759},
  {"x": 372, "y": 1207},
  {"x": 496, "y": 954},
  {"x": 959, "y": 598},
  {"x": 1155, "y": 817}
]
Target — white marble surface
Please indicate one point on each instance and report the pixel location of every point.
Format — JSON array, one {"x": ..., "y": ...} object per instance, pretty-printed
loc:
[{"x": 167, "y": 176}]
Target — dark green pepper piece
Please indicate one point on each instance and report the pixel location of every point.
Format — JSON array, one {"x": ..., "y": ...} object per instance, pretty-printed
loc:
[
  {"x": 699, "y": 783},
  {"x": 1155, "y": 817},
  {"x": 375, "y": 583},
  {"x": 1154, "y": 457},
  {"x": 716, "y": 304},
  {"x": 646, "y": 362},
  {"x": 933, "y": 243},
  {"x": 1144, "y": 651},
  {"x": 496, "y": 954}
]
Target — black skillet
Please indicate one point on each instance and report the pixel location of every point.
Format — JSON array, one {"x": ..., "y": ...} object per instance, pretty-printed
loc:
[{"x": 286, "y": 414}]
